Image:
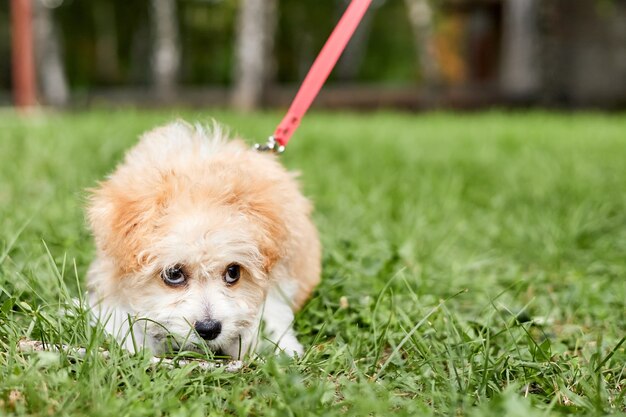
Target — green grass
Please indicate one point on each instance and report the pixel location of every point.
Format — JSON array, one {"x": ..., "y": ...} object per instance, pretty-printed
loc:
[{"x": 482, "y": 257}]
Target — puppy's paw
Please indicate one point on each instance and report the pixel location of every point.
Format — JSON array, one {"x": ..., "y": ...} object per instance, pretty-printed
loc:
[{"x": 290, "y": 346}]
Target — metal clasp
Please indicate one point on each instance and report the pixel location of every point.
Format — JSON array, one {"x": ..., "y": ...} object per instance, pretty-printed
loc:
[{"x": 270, "y": 146}]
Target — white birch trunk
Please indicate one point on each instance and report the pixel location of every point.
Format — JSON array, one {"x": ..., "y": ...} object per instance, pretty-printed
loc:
[
  {"x": 421, "y": 18},
  {"x": 166, "y": 52},
  {"x": 49, "y": 62},
  {"x": 254, "y": 47},
  {"x": 520, "y": 75}
]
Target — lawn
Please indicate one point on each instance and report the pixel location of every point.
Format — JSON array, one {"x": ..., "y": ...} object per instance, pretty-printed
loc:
[{"x": 473, "y": 265}]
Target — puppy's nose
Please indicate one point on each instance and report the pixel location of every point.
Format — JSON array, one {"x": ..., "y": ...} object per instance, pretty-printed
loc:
[{"x": 208, "y": 330}]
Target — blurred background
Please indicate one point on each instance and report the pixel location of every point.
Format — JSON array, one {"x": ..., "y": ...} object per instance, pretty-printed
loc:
[{"x": 253, "y": 53}]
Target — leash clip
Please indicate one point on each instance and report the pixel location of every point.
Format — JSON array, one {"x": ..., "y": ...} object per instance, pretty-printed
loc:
[{"x": 270, "y": 146}]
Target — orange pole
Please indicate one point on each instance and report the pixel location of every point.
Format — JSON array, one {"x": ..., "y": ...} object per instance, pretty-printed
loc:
[{"x": 22, "y": 53}]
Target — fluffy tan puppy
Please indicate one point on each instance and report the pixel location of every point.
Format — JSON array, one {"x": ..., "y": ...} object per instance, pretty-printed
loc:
[{"x": 198, "y": 240}]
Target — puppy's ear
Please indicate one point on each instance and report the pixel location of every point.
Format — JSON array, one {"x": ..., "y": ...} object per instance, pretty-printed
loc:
[
  {"x": 272, "y": 245},
  {"x": 121, "y": 222},
  {"x": 267, "y": 215}
]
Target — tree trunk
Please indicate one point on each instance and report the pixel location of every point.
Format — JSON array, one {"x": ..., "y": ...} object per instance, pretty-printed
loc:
[
  {"x": 50, "y": 67},
  {"x": 166, "y": 52},
  {"x": 352, "y": 58},
  {"x": 520, "y": 73},
  {"x": 420, "y": 15},
  {"x": 254, "y": 66},
  {"x": 107, "y": 63},
  {"x": 22, "y": 54}
]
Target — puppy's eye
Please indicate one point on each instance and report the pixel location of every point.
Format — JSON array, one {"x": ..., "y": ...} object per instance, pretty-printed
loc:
[
  {"x": 174, "y": 276},
  {"x": 232, "y": 274}
]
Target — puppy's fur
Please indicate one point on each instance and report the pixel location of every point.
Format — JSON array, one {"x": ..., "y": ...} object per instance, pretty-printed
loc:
[{"x": 186, "y": 196}]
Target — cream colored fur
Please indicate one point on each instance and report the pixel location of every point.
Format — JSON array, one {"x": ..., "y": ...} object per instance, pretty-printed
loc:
[{"x": 186, "y": 195}]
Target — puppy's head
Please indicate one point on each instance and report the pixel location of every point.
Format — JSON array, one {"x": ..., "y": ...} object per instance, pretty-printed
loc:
[{"x": 188, "y": 229}]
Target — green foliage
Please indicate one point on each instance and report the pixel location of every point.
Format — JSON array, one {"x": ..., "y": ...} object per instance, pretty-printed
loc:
[
  {"x": 304, "y": 27},
  {"x": 481, "y": 258},
  {"x": 207, "y": 37}
]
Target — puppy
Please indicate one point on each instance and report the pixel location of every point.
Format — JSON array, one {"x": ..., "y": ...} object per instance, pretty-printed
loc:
[{"x": 200, "y": 239}]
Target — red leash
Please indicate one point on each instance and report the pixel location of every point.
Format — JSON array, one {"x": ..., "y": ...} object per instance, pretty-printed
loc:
[{"x": 317, "y": 75}]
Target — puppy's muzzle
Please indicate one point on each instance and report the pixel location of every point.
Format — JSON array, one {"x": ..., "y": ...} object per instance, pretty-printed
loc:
[{"x": 208, "y": 330}]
